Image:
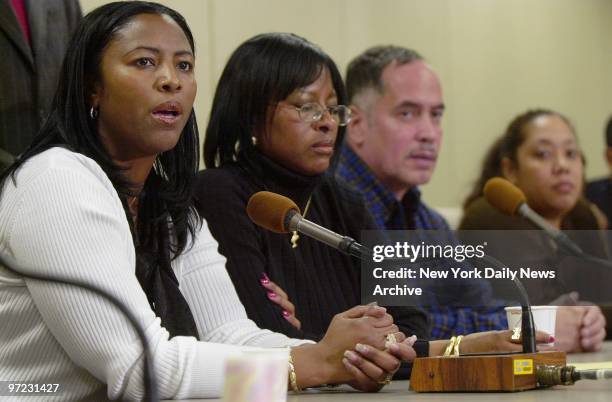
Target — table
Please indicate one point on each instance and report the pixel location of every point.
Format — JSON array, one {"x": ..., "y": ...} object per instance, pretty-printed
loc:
[{"x": 588, "y": 391}]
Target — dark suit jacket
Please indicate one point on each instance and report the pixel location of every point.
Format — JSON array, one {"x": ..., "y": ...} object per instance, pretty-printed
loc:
[
  {"x": 28, "y": 75},
  {"x": 599, "y": 192}
]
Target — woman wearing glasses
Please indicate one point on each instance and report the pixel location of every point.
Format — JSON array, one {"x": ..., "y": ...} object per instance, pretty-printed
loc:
[
  {"x": 103, "y": 197},
  {"x": 277, "y": 118}
]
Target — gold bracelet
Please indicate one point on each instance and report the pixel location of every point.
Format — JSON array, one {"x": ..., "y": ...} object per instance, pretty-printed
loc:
[
  {"x": 292, "y": 376},
  {"x": 451, "y": 345},
  {"x": 456, "y": 347}
]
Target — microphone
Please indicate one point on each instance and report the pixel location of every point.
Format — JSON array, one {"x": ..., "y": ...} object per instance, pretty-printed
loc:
[
  {"x": 280, "y": 215},
  {"x": 510, "y": 200},
  {"x": 270, "y": 211}
]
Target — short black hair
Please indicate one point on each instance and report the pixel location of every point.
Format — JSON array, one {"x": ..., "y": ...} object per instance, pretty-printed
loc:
[
  {"x": 365, "y": 70},
  {"x": 168, "y": 189},
  {"x": 261, "y": 72}
]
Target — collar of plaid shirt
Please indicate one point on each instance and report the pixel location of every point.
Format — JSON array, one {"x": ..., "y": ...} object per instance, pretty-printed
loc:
[{"x": 389, "y": 213}]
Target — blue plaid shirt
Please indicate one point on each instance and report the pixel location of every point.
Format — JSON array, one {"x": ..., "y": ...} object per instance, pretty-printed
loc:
[{"x": 412, "y": 213}]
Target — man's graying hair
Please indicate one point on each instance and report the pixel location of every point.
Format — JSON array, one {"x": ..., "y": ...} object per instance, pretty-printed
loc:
[{"x": 365, "y": 71}]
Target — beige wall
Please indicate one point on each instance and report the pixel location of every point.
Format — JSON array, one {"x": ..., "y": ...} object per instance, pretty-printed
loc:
[{"x": 496, "y": 58}]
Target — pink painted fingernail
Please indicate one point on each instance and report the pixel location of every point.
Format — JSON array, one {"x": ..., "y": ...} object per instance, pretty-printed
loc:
[
  {"x": 286, "y": 314},
  {"x": 271, "y": 295},
  {"x": 352, "y": 357},
  {"x": 361, "y": 348},
  {"x": 264, "y": 279}
]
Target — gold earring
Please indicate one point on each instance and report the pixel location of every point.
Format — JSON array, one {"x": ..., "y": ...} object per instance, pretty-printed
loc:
[{"x": 254, "y": 140}]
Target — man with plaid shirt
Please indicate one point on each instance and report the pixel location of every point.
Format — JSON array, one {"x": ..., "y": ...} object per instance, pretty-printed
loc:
[{"x": 391, "y": 148}]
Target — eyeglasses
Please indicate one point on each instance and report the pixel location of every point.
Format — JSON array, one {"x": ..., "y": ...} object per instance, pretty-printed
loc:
[{"x": 311, "y": 112}]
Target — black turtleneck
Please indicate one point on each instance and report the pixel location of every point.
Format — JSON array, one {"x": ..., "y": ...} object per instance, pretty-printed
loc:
[{"x": 319, "y": 280}]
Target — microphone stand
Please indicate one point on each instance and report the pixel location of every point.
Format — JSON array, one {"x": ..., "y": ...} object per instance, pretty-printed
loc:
[
  {"x": 348, "y": 245},
  {"x": 561, "y": 239},
  {"x": 150, "y": 382},
  {"x": 527, "y": 325},
  {"x": 345, "y": 244},
  {"x": 490, "y": 372}
]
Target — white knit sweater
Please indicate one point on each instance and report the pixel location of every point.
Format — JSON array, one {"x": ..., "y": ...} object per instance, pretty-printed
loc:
[{"x": 64, "y": 218}]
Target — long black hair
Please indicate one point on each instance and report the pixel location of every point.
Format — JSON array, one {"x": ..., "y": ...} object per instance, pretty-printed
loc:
[
  {"x": 167, "y": 193},
  {"x": 507, "y": 146},
  {"x": 261, "y": 72}
]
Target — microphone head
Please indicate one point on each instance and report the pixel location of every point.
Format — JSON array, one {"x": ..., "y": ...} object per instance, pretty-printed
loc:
[
  {"x": 503, "y": 195},
  {"x": 270, "y": 211}
]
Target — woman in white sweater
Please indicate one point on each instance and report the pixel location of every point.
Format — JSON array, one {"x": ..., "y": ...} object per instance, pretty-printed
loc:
[{"x": 103, "y": 196}]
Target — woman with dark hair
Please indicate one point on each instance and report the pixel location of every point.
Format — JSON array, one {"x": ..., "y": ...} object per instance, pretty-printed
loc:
[
  {"x": 275, "y": 126},
  {"x": 277, "y": 118},
  {"x": 540, "y": 154},
  {"x": 103, "y": 197}
]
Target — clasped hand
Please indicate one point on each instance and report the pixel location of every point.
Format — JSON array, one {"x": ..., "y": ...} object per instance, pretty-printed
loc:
[
  {"x": 359, "y": 348},
  {"x": 356, "y": 342}
]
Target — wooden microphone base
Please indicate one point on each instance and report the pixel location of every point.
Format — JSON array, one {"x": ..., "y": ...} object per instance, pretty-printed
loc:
[{"x": 481, "y": 373}]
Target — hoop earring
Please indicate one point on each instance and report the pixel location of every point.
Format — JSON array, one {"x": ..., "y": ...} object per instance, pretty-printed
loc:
[{"x": 94, "y": 113}]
